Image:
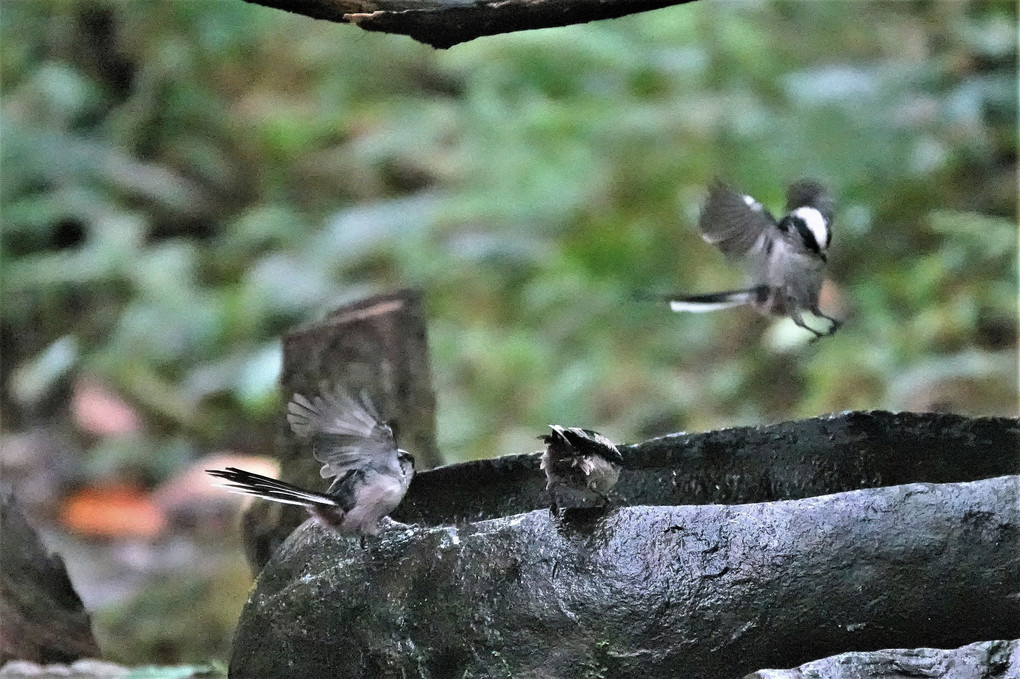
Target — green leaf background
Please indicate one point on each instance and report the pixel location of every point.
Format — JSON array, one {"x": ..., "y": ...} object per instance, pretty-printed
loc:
[{"x": 184, "y": 181}]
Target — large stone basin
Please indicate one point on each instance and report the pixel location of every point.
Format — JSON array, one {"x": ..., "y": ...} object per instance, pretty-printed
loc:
[{"x": 739, "y": 549}]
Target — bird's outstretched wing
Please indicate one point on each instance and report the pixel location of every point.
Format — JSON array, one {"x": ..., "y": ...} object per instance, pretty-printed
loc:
[
  {"x": 345, "y": 431},
  {"x": 733, "y": 222}
]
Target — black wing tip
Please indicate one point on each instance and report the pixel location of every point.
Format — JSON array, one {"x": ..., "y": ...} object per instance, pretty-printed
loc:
[
  {"x": 243, "y": 476},
  {"x": 579, "y": 435},
  {"x": 808, "y": 185},
  {"x": 609, "y": 450},
  {"x": 597, "y": 437},
  {"x": 224, "y": 473},
  {"x": 717, "y": 189},
  {"x": 718, "y": 182},
  {"x": 616, "y": 457},
  {"x": 556, "y": 434},
  {"x": 718, "y": 185},
  {"x": 807, "y": 192}
]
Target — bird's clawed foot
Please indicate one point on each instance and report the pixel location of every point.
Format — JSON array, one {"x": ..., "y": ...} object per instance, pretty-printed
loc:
[
  {"x": 386, "y": 523},
  {"x": 817, "y": 335},
  {"x": 834, "y": 323}
]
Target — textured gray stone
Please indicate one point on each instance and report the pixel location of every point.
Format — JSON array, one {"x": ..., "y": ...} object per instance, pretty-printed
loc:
[
  {"x": 644, "y": 591},
  {"x": 786, "y": 461},
  {"x": 983, "y": 660}
]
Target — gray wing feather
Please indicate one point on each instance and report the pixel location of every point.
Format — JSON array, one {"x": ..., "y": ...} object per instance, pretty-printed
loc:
[
  {"x": 345, "y": 431},
  {"x": 730, "y": 223}
]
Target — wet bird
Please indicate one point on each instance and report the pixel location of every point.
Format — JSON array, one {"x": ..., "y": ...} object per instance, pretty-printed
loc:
[
  {"x": 581, "y": 467},
  {"x": 785, "y": 259},
  {"x": 357, "y": 450}
]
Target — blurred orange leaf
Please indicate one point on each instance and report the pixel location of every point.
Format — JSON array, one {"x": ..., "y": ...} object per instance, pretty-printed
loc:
[{"x": 114, "y": 511}]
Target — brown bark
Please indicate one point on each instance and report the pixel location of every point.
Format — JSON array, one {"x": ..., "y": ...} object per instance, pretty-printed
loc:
[
  {"x": 41, "y": 617},
  {"x": 444, "y": 23}
]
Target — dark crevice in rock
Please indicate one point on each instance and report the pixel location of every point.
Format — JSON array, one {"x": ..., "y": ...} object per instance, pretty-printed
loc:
[{"x": 786, "y": 461}]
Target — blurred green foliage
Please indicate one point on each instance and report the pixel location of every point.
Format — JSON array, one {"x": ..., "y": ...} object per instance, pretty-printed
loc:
[
  {"x": 174, "y": 617},
  {"x": 184, "y": 181}
]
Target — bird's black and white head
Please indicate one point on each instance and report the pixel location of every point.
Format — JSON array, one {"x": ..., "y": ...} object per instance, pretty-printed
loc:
[
  {"x": 587, "y": 455},
  {"x": 582, "y": 442},
  {"x": 809, "y": 220}
]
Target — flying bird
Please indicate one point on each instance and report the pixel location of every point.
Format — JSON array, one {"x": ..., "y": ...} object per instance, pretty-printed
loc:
[
  {"x": 581, "y": 467},
  {"x": 785, "y": 259},
  {"x": 357, "y": 450}
]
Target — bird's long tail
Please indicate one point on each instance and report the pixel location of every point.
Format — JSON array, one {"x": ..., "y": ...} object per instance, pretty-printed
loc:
[
  {"x": 713, "y": 301},
  {"x": 267, "y": 488}
]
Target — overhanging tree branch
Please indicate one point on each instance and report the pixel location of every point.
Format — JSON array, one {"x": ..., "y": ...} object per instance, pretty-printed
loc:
[{"x": 444, "y": 23}]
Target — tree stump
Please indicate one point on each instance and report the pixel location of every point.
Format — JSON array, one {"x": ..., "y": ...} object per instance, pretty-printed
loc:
[
  {"x": 379, "y": 344},
  {"x": 41, "y": 617}
]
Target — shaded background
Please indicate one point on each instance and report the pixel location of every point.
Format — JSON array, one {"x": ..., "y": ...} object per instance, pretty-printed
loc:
[{"x": 184, "y": 181}]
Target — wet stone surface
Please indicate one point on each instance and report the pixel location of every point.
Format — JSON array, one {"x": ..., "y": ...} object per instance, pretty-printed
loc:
[
  {"x": 659, "y": 589},
  {"x": 983, "y": 660},
  {"x": 791, "y": 460}
]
